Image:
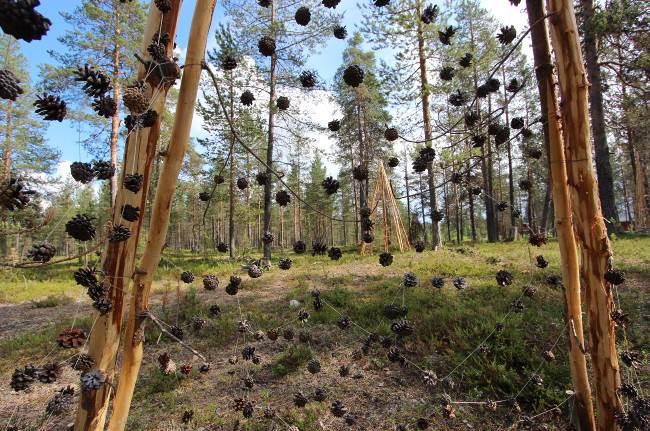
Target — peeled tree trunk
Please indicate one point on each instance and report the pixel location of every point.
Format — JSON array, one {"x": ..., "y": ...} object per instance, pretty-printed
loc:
[
  {"x": 119, "y": 257},
  {"x": 590, "y": 229},
  {"x": 161, "y": 211},
  {"x": 583, "y": 405}
]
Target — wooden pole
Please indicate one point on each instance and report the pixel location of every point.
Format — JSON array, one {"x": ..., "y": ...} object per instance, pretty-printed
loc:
[
  {"x": 160, "y": 212},
  {"x": 589, "y": 223},
  {"x": 119, "y": 257},
  {"x": 563, "y": 217}
]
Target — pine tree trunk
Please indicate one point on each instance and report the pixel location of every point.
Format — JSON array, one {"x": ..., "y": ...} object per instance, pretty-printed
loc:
[
  {"x": 115, "y": 119},
  {"x": 513, "y": 235},
  {"x": 408, "y": 196},
  {"x": 231, "y": 185},
  {"x": 8, "y": 145},
  {"x": 119, "y": 257},
  {"x": 563, "y": 214},
  {"x": 268, "y": 186},
  {"x": 436, "y": 239},
  {"x": 590, "y": 228},
  {"x": 161, "y": 209},
  {"x": 601, "y": 148}
]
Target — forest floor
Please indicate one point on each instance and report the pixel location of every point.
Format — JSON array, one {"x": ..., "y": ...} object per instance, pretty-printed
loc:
[{"x": 454, "y": 336}]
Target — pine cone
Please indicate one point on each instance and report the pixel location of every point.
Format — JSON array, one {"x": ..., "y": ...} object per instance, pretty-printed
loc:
[
  {"x": 430, "y": 14},
  {"x": 22, "y": 379},
  {"x": 303, "y": 16},
  {"x": 9, "y": 88},
  {"x": 299, "y": 247},
  {"x": 82, "y": 172},
  {"x": 502, "y": 206},
  {"x": 458, "y": 98},
  {"x": 466, "y": 60},
  {"x": 537, "y": 239},
  {"x": 308, "y": 79},
  {"x": 232, "y": 289},
  {"x": 504, "y": 278},
  {"x": 254, "y": 271},
  {"x": 438, "y": 282},
  {"x": 266, "y": 46},
  {"x": 96, "y": 83},
  {"x": 513, "y": 86},
  {"x": 86, "y": 277},
  {"x": 344, "y": 322},
  {"x": 334, "y": 253},
  {"x": 222, "y": 247},
  {"x": 507, "y": 35},
  {"x": 242, "y": 183},
  {"x": 447, "y": 73},
  {"x": 135, "y": 98},
  {"x": 446, "y": 35},
  {"x": 517, "y": 123},
  {"x": 133, "y": 182},
  {"x": 92, "y": 380},
  {"x": 130, "y": 213},
  {"x": 331, "y": 4},
  {"x": 419, "y": 246},
  {"x": 50, "y": 372},
  {"x": 385, "y": 259},
  {"x": 381, "y": 3},
  {"x": 119, "y": 233},
  {"x": 50, "y": 107},
  {"x": 393, "y": 162},
  {"x": 187, "y": 277},
  {"x": 61, "y": 403},
  {"x": 403, "y": 328},
  {"x": 392, "y": 311},
  {"x": 318, "y": 248},
  {"x": 81, "y": 228},
  {"x": 205, "y": 196},
  {"x": 338, "y": 409},
  {"x": 247, "y": 98},
  {"x": 103, "y": 169},
  {"x": 81, "y": 362},
  {"x": 615, "y": 277},
  {"x": 41, "y": 252},
  {"x": 142, "y": 121},
  {"x": 282, "y": 103},
  {"x": 460, "y": 283},
  {"x": 360, "y": 172},
  {"x": 541, "y": 262},
  {"x": 20, "y": 19},
  {"x": 283, "y": 198},
  {"x": 391, "y": 134},
  {"x": 313, "y": 366},
  {"x": 210, "y": 282},
  {"x": 428, "y": 154},
  {"x": 410, "y": 280},
  {"x": 105, "y": 106},
  {"x": 353, "y": 75},
  {"x": 215, "y": 310},
  {"x": 166, "y": 364},
  {"x": 70, "y": 338},
  {"x": 340, "y": 32},
  {"x": 228, "y": 62},
  {"x": 163, "y": 6}
]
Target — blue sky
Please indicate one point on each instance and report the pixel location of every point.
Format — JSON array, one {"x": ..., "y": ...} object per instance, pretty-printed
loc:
[{"x": 64, "y": 136}]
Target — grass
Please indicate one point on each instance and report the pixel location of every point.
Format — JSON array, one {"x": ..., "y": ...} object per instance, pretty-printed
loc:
[{"x": 449, "y": 323}]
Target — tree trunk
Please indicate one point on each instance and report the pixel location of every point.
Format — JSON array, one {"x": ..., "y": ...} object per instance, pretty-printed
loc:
[
  {"x": 231, "y": 185},
  {"x": 8, "y": 146},
  {"x": 268, "y": 186},
  {"x": 590, "y": 228},
  {"x": 408, "y": 195},
  {"x": 115, "y": 119},
  {"x": 436, "y": 239},
  {"x": 161, "y": 210},
  {"x": 601, "y": 148},
  {"x": 119, "y": 257},
  {"x": 513, "y": 235},
  {"x": 563, "y": 213}
]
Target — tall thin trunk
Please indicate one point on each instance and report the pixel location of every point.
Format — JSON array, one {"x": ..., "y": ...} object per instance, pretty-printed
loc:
[
  {"x": 8, "y": 145},
  {"x": 513, "y": 235},
  {"x": 436, "y": 240},
  {"x": 563, "y": 213},
  {"x": 472, "y": 220},
  {"x": 231, "y": 185},
  {"x": 603, "y": 164},
  {"x": 268, "y": 186},
  {"x": 408, "y": 195},
  {"x": 115, "y": 120},
  {"x": 590, "y": 227},
  {"x": 422, "y": 207}
]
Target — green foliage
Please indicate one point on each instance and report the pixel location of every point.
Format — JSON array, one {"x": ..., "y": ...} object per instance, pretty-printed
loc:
[{"x": 289, "y": 361}]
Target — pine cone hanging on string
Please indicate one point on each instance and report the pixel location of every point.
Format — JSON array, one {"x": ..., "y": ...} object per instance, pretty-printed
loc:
[
  {"x": 133, "y": 182},
  {"x": 331, "y": 4},
  {"x": 466, "y": 60},
  {"x": 385, "y": 259},
  {"x": 50, "y": 373},
  {"x": 615, "y": 277},
  {"x": 430, "y": 14},
  {"x": 392, "y": 311},
  {"x": 437, "y": 216},
  {"x": 308, "y": 79},
  {"x": 50, "y": 107},
  {"x": 533, "y": 153},
  {"x": 204, "y": 196},
  {"x": 187, "y": 277},
  {"x": 71, "y": 338},
  {"x": 493, "y": 85},
  {"x": 92, "y": 380},
  {"x": 525, "y": 185},
  {"x": 446, "y": 35},
  {"x": 502, "y": 206},
  {"x": 41, "y": 252},
  {"x": 81, "y": 362},
  {"x": 242, "y": 183},
  {"x": 135, "y": 98},
  {"x": 504, "y": 278},
  {"x": 303, "y": 16},
  {"x": 318, "y": 248},
  {"x": 513, "y": 86},
  {"x": 104, "y": 106},
  {"x": 460, "y": 283},
  {"x": 391, "y": 134},
  {"x": 299, "y": 247},
  {"x": 14, "y": 195},
  {"x": 338, "y": 409},
  {"x": 541, "y": 262},
  {"x": 267, "y": 238},
  {"x": 313, "y": 366},
  {"x": 96, "y": 82},
  {"x": 228, "y": 62},
  {"x": 482, "y": 91},
  {"x": 340, "y": 32},
  {"x": 360, "y": 172},
  {"x": 264, "y": 3},
  {"x": 119, "y": 233},
  {"x": 393, "y": 162},
  {"x": 282, "y": 103},
  {"x": 177, "y": 332},
  {"x": 410, "y": 279},
  {"x": 419, "y": 165},
  {"x": 61, "y": 402},
  {"x": 419, "y": 246},
  {"x": 458, "y": 98},
  {"x": 507, "y": 35},
  {"x": 330, "y": 185},
  {"x": 254, "y": 271},
  {"x": 80, "y": 227},
  {"x": 9, "y": 88},
  {"x": 537, "y": 239},
  {"x": 471, "y": 119},
  {"x": 334, "y": 125},
  {"x": 353, "y": 75},
  {"x": 447, "y": 73},
  {"x": 86, "y": 277},
  {"x": 142, "y": 121},
  {"x": 222, "y": 247},
  {"x": 456, "y": 178},
  {"x": 214, "y": 310},
  {"x": 163, "y": 6},
  {"x": 22, "y": 379},
  {"x": 438, "y": 282},
  {"x": 403, "y": 328},
  {"x": 266, "y": 46},
  {"x": 285, "y": 263},
  {"x": 262, "y": 178},
  {"x": 247, "y": 98},
  {"x": 20, "y": 20},
  {"x": 283, "y": 198},
  {"x": 517, "y": 123},
  {"x": 381, "y": 3},
  {"x": 210, "y": 282},
  {"x": 335, "y": 253},
  {"x": 103, "y": 169}
]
